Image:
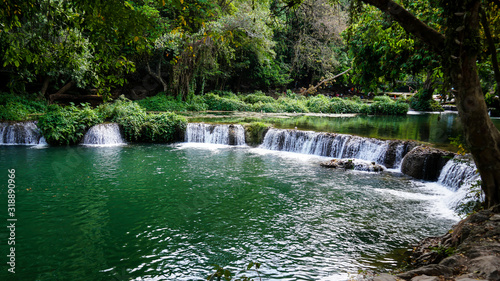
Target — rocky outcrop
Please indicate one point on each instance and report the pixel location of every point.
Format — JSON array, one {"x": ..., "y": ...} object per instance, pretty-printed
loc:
[
  {"x": 353, "y": 164},
  {"x": 396, "y": 148},
  {"x": 425, "y": 163},
  {"x": 470, "y": 251}
]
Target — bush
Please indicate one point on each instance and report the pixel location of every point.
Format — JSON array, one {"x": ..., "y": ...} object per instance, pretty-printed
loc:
[
  {"x": 67, "y": 125},
  {"x": 258, "y": 97},
  {"x": 338, "y": 105},
  {"x": 382, "y": 99},
  {"x": 215, "y": 102},
  {"x": 318, "y": 103},
  {"x": 162, "y": 127},
  {"x": 387, "y": 108},
  {"x": 421, "y": 102},
  {"x": 18, "y": 108},
  {"x": 161, "y": 102},
  {"x": 268, "y": 107},
  {"x": 255, "y": 132},
  {"x": 293, "y": 105}
]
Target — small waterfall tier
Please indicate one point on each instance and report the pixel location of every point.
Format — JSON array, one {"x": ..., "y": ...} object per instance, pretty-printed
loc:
[
  {"x": 20, "y": 133},
  {"x": 458, "y": 172},
  {"x": 387, "y": 153},
  {"x": 104, "y": 134},
  {"x": 215, "y": 134}
]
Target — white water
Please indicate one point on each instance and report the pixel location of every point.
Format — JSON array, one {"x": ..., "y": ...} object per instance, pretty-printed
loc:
[
  {"x": 329, "y": 145},
  {"x": 215, "y": 134},
  {"x": 107, "y": 134},
  {"x": 20, "y": 133}
]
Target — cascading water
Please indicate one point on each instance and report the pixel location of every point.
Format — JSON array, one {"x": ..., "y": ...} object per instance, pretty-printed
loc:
[
  {"x": 457, "y": 172},
  {"x": 20, "y": 133},
  {"x": 103, "y": 134},
  {"x": 215, "y": 134},
  {"x": 458, "y": 175},
  {"x": 330, "y": 145}
]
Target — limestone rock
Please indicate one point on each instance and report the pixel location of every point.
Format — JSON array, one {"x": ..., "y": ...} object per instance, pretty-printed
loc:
[
  {"x": 353, "y": 164},
  {"x": 425, "y": 162},
  {"x": 385, "y": 277},
  {"x": 391, "y": 155},
  {"x": 425, "y": 278},
  {"x": 486, "y": 266},
  {"x": 430, "y": 270}
]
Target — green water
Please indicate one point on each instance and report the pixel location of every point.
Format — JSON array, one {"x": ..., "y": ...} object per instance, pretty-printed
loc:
[
  {"x": 169, "y": 212},
  {"x": 436, "y": 129}
]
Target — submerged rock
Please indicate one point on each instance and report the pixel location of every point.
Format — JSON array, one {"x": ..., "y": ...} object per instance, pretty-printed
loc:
[
  {"x": 425, "y": 163},
  {"x": 353, "y": 164}
]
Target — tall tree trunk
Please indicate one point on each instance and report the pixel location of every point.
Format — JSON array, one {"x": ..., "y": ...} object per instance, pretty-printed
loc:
[
  {"x": 460, "y": 48},
  {"x": 482, "y": 137}
]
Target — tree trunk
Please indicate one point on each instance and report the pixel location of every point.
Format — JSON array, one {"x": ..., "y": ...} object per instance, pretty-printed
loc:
[
  {"x": 460, "y": 48},
  {"x": 45, "y": 86},
  {"x": 482, "y": 137},
  {"x": 61, "y": 91}
]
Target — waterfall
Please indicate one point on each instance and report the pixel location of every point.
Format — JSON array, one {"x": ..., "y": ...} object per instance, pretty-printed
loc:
[
  {"x": 458, "y": 172},
  {"x": 104, "y": 134},
  {"x": 328, "y": 144},
  {"x": 20, "y": 133},
  {"x": 215, "y": 134}
]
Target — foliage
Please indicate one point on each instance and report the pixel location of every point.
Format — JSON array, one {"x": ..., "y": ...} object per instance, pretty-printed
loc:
[
  {"x": 338, "y": 105},
  {"x": 293, "y": 105},
  {"x": 318, "y": 104},
  {"x": 493, "y": 102},
  {"x": 67, "y": 125},
  {"x": 215, "y": 102},
  {"x": 156, "y": 128},
  {"x": 421, "y": 102},
  {"x": 258, "y": 96},
  {"x": 473, "y": 200},
  {"x": 255, "y": 132},
  {"x": 162, "y": 102},
  {"x": 387, "y": 108},
  {"x": 19, "y": 107}
]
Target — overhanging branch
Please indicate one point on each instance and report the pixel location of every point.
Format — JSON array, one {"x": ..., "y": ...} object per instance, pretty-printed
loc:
[{"x": 410, "y": 23}]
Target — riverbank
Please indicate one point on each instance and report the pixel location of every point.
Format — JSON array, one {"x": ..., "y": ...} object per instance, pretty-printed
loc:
[{"x": 469, "y": 251}]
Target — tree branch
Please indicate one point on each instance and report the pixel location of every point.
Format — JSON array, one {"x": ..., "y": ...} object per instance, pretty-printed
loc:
[
  {"x": 410, "y": 23},
  {"x": 157, "y": 76},
  {"x": 311, "y": 90}
]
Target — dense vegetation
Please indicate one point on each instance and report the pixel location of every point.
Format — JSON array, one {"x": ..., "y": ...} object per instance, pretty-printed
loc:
[
  {"x": 190, "y": 48},
  {"x": 67, "y": 125}
]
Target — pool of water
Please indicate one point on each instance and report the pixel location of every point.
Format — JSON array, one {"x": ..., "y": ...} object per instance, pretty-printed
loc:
[
  {"x": 436, "y": 129},
  {"x": 170, "y": 212}
]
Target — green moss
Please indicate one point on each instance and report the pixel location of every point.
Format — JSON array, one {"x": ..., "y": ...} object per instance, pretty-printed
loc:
[{"x": 255, "y": 132}]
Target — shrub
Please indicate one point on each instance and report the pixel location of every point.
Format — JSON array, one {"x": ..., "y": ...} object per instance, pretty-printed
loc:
[
  {"x": 387, "y": 108},
  {"x": 257, "y": 97},
  {"x": 382, "y": 99},
  {"x": 293, "y": 105},
  {"x": 67, "y": 125},
  {"x": 255, "y": 132},
  {"x": 318, "y": 103},
  {"x": 161, "y": 102},
  {"x": 338, "y": 105},
  {"x": 420, "y": 102},
  {"x": 215, "y": 102},
  {"x": 18, "y": 108},
  {"x": 268, "y": 107},
  {"x": 162, "y": 127}
]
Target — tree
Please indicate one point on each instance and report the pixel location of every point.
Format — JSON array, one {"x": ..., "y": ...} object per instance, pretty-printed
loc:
[{"x": 459, "y": 46}]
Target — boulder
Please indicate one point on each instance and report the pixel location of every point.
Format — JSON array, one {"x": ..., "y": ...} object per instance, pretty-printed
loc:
[
  {"x": 385, "y": 277},
  {"x": 425, "y": 278},
  {"x": 396, "y": 149},
  {"x": 353, "y": 164},
  {"x": 425, "y": 163},
  {"x": 430, "y": 270}
]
